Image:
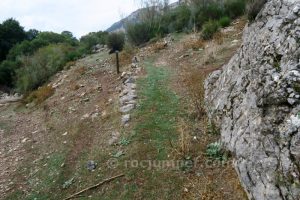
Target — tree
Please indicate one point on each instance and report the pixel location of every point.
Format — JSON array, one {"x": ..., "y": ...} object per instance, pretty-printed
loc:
[
  {"x": 70, "y": 38},
  {"x": 93, "y": 38},
  {"x": 7, "y": 72},
  {"x": 32, "y": 34},
  {"x": 116, "y": 41},
  {"x": 11, "y": 33}
]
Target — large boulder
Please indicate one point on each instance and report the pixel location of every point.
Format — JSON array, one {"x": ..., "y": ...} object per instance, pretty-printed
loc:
[{"x": 255, "y": 100}]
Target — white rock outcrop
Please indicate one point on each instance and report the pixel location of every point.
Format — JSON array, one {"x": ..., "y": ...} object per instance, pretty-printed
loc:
[{"x": 255, "y": 100}]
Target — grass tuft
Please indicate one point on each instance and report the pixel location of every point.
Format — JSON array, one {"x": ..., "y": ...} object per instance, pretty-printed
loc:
[{"x": 40, "y": 95}]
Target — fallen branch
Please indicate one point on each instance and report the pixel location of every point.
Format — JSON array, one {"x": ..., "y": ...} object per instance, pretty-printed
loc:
[{"x": 94, "y": 186}]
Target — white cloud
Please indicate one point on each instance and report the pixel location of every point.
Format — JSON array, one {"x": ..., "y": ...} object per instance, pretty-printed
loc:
[{"x": 77, "y": 16}]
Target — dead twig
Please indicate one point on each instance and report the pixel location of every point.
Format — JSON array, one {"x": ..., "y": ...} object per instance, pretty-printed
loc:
[{"x": 94, "y": 186}]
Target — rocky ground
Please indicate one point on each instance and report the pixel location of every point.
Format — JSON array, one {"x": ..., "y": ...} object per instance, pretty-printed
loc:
[{"x": 52, "y": 149}]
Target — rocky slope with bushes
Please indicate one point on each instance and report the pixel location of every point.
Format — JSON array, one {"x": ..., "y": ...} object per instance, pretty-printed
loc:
[{"x": 255, "y": 101}]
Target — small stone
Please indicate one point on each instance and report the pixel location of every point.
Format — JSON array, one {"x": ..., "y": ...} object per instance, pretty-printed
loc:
[
  {"x": 85, "y": 116},
  {"x": 290, "y": 90},
  {"x": 130, "y": 80},
  {"x": 125, "y": 119},
  {"x": 123, "y": 74},
  {"x": 95, "y": 115},
  {"x": 91, "y": 165},
  {"x": 114, "y": 138},
  {"x": 291, "y": 101},
  {"x": 127, "y": 108},
  {"x": 86, "y": 99},
  {"x": 103, "y": 114},
  {"x": 296, "y": 10},
  {"x": 66, "y": 133},
  {"x": 134, "y": 65},
  {"x": 24, "y": 140}
]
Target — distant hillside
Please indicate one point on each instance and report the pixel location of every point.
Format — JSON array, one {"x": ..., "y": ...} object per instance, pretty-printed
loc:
[{"x": 132, "y": 18}]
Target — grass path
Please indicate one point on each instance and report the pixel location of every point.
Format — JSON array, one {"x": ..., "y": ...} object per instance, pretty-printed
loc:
[{"x": 148, "y": 159}]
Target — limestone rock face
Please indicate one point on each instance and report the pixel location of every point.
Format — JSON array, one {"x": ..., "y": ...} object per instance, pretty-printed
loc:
[{"x": 255, "y": 100}]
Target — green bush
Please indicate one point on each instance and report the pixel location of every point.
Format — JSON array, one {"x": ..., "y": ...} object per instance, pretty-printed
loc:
[
  {"x": 209, "y": 29},
  {"x": 206, "y": 12},
  {"x": 142, "y": 32},
  {"x": 41, "y": 66},
  {"x": 92, "y": 39},
  {"x": 235, "y": 8},
  {"x": 224, "y": 21},
  {"x": 214, "y": 151},
  {"x": 254, "y": 7},
  {"x": 176, "y": 20},
  {"x": 42, "y": 39},
  {"x": 116, "y": 41},
  {"x": 7, "y": 72}
]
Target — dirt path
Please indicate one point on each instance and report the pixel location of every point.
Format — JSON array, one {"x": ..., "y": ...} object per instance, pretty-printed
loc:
[{"x": 45, "y": 148}]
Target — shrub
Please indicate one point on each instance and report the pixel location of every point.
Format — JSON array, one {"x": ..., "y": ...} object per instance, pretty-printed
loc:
[
  {"x": 194, "y": 44},
  {"x": 127, "y": 54},
  {"x": 209, "y": 29},
  {"x": 116, "y": 41},
  {"x": 214, "y": 151},
  {"x": 176, "y": 20},
  {"x": 224, "y": 22},
  {"x": 209, "y": 11},
  {"x": 235, "y": 8},
  {"x": 254, "y": 7},
  {"x": 41, "y": 66},
  {"x": 42, "y": 39},
  {"x": 218, "y": 37},
  {"x": 7, "y": 72},
  {"x": 92, "y": 39},
  {"x": 142, "y": 32},
  {"x": 40, "y": 95}
]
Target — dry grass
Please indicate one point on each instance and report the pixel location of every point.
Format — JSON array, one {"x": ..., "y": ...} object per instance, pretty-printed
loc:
[
  {"x": 194, "y": 44},
  {"x": 80, "y": 70},
  {"x": 40, "y": 95},
  {"x": 210, "y": 53},
  {"x": 158, "y": 46},
  {"x": 183, "y": 147},
  {"x": 216, "y": 183},
  {"x": 194, "y": 83},
  {"x": 218, "y": 38},
  {"x": 127, "y": 54},
  {"x": 69, "y": 65}
]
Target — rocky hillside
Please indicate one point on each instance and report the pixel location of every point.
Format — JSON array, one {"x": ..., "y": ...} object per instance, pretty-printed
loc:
[
  {"x": 255, "y": 101},
  {"x": 89, "y": 123},
  {"x": 132, "y": 18}
]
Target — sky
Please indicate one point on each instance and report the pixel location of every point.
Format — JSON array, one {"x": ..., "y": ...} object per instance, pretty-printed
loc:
[{"x": 78, "y": 16}]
